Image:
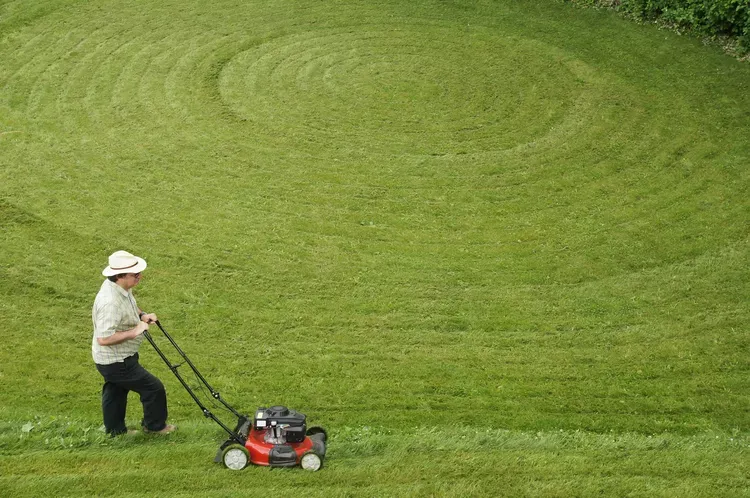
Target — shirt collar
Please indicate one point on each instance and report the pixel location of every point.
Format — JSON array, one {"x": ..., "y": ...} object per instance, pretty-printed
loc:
[{"x": 117, "y": 288}]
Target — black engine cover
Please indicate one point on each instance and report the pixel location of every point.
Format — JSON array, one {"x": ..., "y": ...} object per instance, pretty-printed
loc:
[
  {"x": 280, "y": 416},
  {"x": 295, "y": 434}
]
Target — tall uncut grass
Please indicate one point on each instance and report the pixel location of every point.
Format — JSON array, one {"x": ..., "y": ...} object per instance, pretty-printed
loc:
[{"x": 496, "y": 248}]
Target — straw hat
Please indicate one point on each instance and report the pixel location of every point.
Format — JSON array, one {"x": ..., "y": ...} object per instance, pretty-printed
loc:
[{"x": 124, "y": 262}]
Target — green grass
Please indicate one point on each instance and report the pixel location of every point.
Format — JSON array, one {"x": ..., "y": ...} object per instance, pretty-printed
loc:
[
  {"x": 494, "y": 247},
  {"x": 368, "y": 462}
]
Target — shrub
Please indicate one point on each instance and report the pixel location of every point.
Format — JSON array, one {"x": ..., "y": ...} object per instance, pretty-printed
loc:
[{"x": 728, "y": 18}]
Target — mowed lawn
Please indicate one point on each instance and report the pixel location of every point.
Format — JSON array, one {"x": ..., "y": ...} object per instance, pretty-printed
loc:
[{"x": 496, "y": 248}]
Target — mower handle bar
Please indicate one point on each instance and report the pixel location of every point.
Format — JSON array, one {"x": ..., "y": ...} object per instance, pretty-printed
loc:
[{"x": 215, "y": 394}]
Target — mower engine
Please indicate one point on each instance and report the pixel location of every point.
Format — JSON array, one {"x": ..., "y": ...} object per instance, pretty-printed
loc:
[
  {"x": 277, "y": 437},
  {"x": 280, "y": 425}
]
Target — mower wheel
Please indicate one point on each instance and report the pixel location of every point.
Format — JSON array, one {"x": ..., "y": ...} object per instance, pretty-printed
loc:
[
  {"x": 311, "y": 461},
  {"x": 235, "y": 457}
]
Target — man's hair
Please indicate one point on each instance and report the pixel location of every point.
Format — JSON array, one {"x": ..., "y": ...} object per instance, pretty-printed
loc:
[{"x": 115, "y": 278}]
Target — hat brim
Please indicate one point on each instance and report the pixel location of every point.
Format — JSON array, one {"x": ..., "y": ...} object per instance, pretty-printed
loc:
[{"x": 139, "y": 267}]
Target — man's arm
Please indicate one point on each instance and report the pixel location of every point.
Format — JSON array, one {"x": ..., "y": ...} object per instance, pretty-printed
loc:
[{"x": 123, "y": 335}]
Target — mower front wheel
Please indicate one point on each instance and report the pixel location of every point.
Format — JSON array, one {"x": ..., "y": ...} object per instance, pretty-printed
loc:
[
  {"x": 311, "y": 461},
  {"x": 235, "y": 457}
]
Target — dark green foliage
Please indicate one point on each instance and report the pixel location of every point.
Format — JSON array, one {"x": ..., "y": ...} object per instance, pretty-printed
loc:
[{"x": 704, "y": 17}]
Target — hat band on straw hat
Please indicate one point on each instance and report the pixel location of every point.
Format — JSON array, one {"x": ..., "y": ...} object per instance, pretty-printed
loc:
[{"x": 125, "y": 267}]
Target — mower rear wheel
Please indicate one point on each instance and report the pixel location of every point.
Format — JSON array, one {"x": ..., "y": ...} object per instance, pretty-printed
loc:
[
  {"x": 235, "y": 457},
  {"x": 317, "y": 430}
]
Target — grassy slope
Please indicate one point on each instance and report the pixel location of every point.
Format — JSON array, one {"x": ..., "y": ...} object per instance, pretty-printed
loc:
[{"x": 510, "y": 216}]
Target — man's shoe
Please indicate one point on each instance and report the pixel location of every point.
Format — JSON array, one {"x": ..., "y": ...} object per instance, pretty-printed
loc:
[
  {"x": 129, "y": 432},
  {"x": 166, "y": 430}
]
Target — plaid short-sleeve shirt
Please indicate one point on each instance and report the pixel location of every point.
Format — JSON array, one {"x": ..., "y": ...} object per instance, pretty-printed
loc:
[{"x": 114, "y": 310}]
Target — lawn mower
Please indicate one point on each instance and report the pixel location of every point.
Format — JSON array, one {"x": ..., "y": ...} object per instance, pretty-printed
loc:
[{"x": 274, "y": 437}]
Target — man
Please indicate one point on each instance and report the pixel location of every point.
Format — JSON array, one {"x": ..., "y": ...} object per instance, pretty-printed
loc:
[{"x": 118, "y": 332}]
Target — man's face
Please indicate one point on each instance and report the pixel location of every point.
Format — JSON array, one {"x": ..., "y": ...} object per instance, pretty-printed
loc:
[{"x": 132, "y": 279}]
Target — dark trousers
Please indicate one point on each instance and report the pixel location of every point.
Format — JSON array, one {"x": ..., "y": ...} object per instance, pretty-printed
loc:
[{"x": 119, "y": 380}]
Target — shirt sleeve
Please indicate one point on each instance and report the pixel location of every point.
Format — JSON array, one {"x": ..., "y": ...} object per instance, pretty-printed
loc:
[{"x": 106, "y": 320}]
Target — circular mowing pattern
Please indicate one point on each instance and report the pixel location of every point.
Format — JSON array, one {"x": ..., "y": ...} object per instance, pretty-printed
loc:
[
  {"x": 540, "y": 153},
  {"x": 416, "y": 89}
]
